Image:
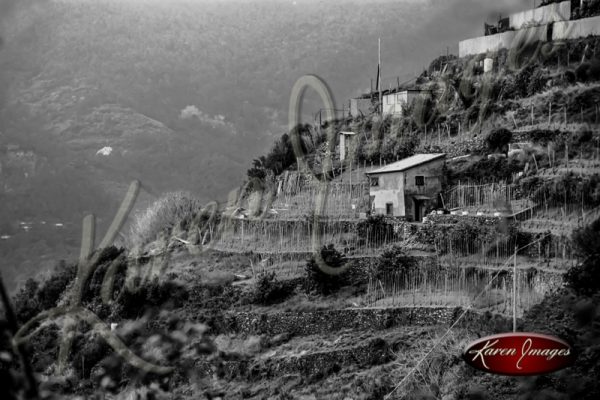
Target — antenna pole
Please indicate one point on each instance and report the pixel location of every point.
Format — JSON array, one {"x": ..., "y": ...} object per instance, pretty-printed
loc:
[
  {"x": 379, "y": 63},
  {"x": 514, "y": 308}
]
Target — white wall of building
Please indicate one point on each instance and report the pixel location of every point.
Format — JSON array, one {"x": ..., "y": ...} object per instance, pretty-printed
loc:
[
  {"x": 541, "y": 16},
  {"x": 389, "y": 190}
]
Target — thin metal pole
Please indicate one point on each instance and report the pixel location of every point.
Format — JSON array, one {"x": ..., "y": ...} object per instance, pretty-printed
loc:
[
  {"x": 379, "y": 63},
  {"x": 514, "y": 294}
]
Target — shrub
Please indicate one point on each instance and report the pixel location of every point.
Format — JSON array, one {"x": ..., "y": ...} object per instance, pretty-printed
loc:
[
  {"x": 268, "y": 290},
  {"x": 34, "y": 297},
  {"x": 26, "y": 303},
  {"x": 523, "y": 79},
  {"x": 585, "y": 277},
  {"x": 536, "y": 82},
  {"x": 133, "y": 303},
  {"x": 162, "y": 215},
  {"x": 394, "y": 260},
  {"x": 50, "y": 292},
  {"x": 320, "y": 281},
  {"x": 498, "y": 139}
]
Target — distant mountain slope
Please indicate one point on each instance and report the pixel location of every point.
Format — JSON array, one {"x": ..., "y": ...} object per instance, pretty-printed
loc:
[{"x": 78, "y": 76}]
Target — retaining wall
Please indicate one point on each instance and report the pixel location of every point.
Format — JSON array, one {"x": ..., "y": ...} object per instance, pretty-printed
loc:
[
  {"x": 323, "y": 321},
  {"x": 577, "y": 29},
  {"x": 542, "y": 15}
]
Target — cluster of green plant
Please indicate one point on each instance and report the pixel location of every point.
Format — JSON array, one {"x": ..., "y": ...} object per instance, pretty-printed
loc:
[
  {"x": 269, "y": 290},
  {"x": 34, "y": 297}
]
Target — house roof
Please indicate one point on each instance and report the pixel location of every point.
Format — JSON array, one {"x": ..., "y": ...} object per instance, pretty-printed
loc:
[{"x": 408, "y": 163}]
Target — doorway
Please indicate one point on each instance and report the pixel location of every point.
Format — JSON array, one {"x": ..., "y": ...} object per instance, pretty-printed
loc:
[
  {"x": 389, "y": 209},
  {"x": 418, "y": 210}
]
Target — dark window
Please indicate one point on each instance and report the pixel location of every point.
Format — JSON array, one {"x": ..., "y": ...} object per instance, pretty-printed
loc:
[
  {"x": 419, "y": 180},
  {"x": 389, "y": 209},
  {"x": 375, "y": 181}
]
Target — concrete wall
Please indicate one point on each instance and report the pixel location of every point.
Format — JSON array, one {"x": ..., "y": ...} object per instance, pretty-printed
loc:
[
  {"x": 390, "y": 190},
  {"x": 505, "y": 40},
  {"x": 580, "y": 28},
  {"x": 541, "y": 16}
]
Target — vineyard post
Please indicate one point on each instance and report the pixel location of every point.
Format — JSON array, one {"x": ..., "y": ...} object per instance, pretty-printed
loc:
[
  {"x": 514, "y": 297},
  {"x": 532, "y": 114}
]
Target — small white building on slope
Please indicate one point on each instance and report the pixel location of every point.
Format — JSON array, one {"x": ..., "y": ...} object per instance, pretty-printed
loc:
[{"x": 407, "y": 188}]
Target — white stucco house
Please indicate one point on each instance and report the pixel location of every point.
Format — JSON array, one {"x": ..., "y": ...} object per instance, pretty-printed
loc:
[{"x": 407, "y": 188}]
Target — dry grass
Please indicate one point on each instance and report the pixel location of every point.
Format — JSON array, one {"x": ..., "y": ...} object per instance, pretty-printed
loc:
[{"x": 161, "y": 216}]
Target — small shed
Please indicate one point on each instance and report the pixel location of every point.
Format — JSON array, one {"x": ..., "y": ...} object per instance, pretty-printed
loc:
[
  {"x": 407, "y": 188},
  {"x": 346, "y": 143}
]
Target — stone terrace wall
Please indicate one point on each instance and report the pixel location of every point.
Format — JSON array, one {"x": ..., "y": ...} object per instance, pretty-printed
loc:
[{"x": 323, "y": 321}]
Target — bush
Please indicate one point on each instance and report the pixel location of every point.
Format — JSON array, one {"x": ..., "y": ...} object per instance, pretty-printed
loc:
[
  {"x": 394, "y": 260},
  {"x": 26, "y": 303},
  {"x": 321, "y": 282},
  {"x": 498, "y": 139},
  {"x": 585, "y": 277},
  {"x": 162, "y": 215},
  {"x": 523, "y": 79},
  {"x": 50, "y": 292},
  {"x": 133, "y": 303},
  {"x": 537, "y": 82},
  {"x": 268, "y": 290}
]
